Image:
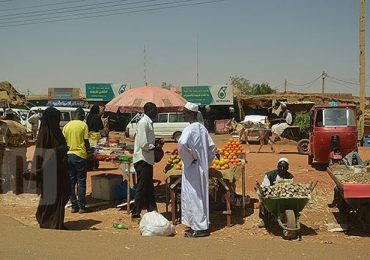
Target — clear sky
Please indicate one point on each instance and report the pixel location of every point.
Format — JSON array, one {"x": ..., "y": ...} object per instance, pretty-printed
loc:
[{"x": 261, "y": 40}]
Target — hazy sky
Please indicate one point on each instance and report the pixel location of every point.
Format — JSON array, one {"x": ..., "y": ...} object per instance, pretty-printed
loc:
[{"x": 261, "y": 40}]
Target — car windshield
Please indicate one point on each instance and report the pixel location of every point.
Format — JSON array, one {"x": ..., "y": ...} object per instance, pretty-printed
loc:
[
  {"x": 23, "y": 115},
  {"x": 336, "y": 117}
]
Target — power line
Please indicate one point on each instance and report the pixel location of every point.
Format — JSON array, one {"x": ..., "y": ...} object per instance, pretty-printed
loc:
[
  {"x": 305, "y": 84},
  {"x": 38, "y": 14},
  {"x": 339, "y": 83},
  {"x": 344, "y": 81},
  {"x": 143, "y": 9},
  {"x": 37, "y": 6}
]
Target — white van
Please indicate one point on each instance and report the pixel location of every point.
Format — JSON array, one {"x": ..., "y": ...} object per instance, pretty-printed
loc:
[
  {"x": 166, "y": 125},
  {"x": 66, "y": 114},
  {"x": 22, "y": 114}
]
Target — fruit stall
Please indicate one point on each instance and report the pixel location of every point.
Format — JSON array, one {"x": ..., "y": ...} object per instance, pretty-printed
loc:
[{"x": 226, "y": 169}]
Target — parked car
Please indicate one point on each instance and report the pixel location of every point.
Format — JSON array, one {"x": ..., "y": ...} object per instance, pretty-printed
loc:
[
  {"x": 66, "y": 114},
  {"x": 166, "y": 125},
  {"x": 22, "y": 114}
]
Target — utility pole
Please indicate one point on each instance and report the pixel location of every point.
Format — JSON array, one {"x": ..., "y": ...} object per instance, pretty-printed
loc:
[
  {"x": 197, "y": 62},
  {"x": 362, "y": 69},
  {"x": 145, "y": 81},
  {"x": 323, "y": 76},
  {"x": 285, "y": 83}
]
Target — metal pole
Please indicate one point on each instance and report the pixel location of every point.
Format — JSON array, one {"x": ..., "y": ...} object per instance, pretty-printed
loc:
[
  {"x": 197, "y": 63},
  {"x": 362, "y": 69},
  {"x": 323, "y": 76},
  {"x": 285, "y": 83},
  {"x": 145, "y": 81}
]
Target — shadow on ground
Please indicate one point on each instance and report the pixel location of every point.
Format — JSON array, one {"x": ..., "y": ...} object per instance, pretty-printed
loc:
[{"x": 82, "y": 224}]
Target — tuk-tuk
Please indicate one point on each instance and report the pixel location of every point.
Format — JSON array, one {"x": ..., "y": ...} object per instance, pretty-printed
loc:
[{"x": 333, "y": 132}]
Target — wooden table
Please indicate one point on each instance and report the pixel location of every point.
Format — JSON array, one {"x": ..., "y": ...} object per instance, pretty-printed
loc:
[{"x": 230, "y": 175}]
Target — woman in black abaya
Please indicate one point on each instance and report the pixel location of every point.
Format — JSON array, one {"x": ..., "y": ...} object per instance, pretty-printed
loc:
[
  {"x": 93, "y": 120},
  {"x": 52, "y": 171}
]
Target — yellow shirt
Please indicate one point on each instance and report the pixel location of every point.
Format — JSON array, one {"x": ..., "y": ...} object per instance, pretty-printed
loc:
[{"x": 75, "y": 132}]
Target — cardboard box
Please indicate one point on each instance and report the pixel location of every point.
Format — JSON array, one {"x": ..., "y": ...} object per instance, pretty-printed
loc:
[{"x": 103, "y": 186}]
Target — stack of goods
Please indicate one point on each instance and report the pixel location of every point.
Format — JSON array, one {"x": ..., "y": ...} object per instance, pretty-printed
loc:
[
  {"x": 285, "y": 190},
  {"x": 356, "y": 178},
  {"x": 12, "y": 134},
  {"x": 105, "y": 155},
  {"x": 229, "y": 154},
  {"x": 94, "y": 138},
  {"x": 174, "y": 160}
]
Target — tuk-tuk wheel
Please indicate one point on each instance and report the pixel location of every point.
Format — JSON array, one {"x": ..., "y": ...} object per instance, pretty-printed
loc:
[{"x": 303, "y": 146}]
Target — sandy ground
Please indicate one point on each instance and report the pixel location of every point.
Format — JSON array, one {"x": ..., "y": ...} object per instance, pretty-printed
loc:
[{"x": 316, "y": 219}]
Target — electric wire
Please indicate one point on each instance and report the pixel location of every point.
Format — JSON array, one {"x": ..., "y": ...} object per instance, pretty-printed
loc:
[
  {"x": 77, "y": 10},
  {"x": 88, "y": 15},
  {"x": 339, "y": 83},
  {"x": 305, "y": 84},
  {"x": 344, "y": 81},
  {"x": 37, "y": 6},
  {"x": 76, "y": 7}
]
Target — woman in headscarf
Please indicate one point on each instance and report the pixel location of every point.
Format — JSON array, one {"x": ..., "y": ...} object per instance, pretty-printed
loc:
[
  {"x": 93, "y": 120},
  {"x": 51, "y": 171}
]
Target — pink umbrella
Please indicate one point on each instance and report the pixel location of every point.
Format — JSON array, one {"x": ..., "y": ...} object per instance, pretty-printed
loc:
[{"x": 133, "y": 100}]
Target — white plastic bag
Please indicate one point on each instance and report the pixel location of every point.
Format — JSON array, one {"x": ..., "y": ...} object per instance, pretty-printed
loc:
[{"x": 154, "y": 224}]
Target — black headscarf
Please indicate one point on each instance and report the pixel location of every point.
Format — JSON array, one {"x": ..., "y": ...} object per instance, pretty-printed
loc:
[
  {"x": 93, "y": 120},
  {"x": 50, "y": 135}
]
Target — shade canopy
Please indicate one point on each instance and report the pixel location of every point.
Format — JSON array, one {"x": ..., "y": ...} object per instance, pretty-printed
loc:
[{"x": 133, "y": 100}]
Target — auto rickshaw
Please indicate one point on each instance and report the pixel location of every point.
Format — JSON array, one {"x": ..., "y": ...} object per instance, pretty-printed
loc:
[{"x": 333, "y": 132}]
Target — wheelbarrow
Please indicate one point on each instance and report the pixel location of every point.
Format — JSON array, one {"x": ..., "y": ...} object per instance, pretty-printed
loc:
[{"x": 286, "y": 212}]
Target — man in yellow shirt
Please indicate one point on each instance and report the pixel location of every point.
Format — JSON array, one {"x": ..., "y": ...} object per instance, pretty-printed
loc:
[{"x": 76, "y": 135}]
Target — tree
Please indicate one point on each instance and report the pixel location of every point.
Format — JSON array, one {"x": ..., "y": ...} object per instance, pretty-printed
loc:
[
  {"x": 242, "y": 84},
  {"x": 261, "y": 89},
  {"x": 245, "y": 87}
]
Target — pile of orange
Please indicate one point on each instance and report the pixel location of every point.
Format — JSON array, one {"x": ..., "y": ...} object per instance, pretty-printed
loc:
[
  {"x": 222, "y": 164},
  {"x": 231, "y": 151}
]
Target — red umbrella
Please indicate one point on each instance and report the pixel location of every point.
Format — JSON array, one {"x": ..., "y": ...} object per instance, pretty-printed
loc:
[{"x": 133, "y": 100}]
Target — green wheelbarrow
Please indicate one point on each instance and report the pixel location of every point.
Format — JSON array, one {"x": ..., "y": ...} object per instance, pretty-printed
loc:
[{"x": 284, "y": 211}]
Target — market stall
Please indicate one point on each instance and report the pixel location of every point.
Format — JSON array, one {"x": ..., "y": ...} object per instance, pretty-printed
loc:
[
  {"x": 353, "y": 187},
  {"x": 106, "y": 149}
]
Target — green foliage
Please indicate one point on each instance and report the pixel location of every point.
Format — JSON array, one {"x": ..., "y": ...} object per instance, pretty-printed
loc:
[
  {"x": 246, "y": 88},
  {"x": 241, "y": 83},
  {"x": 303, "y": 122},
  {"x": 261, "y": 89}
]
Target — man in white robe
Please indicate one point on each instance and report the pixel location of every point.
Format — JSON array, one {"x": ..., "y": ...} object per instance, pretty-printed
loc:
[
  {"x": 197, "y": 151},
  {"x": 287, "y": 120}
]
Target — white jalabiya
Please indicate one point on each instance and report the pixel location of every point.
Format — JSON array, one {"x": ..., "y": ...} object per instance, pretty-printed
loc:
[
  {"x": 197, "y": 151},
  {"x": 278, "y": 129}
]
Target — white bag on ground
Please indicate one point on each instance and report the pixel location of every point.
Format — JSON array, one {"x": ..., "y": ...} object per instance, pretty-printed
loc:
[{"x": 154, "y": 224}]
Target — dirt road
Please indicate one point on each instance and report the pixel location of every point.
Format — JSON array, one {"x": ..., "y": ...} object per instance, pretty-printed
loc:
[
  {"x": 243, "y": 240},
  {"x": 19, "y": 242}
]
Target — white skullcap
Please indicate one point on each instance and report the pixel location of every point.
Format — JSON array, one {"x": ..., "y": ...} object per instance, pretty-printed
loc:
[
  {"x": 284, "y": 160},
  {"x": 191, "y": 106},
  {"x": 283, "y": 104}
]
